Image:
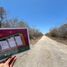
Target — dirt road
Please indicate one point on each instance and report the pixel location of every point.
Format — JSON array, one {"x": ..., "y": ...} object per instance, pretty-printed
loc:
[{"x": 46, "y": 53}]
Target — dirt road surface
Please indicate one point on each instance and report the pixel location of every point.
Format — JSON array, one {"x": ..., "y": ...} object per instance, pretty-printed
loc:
[{"x": 45, "y": 53}]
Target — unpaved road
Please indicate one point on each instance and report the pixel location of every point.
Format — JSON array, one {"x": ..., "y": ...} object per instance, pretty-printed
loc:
[{"x": 46, "y": 53}]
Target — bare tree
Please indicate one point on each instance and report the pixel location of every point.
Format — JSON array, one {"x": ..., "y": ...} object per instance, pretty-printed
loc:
[{"x": 2, "y": 15}]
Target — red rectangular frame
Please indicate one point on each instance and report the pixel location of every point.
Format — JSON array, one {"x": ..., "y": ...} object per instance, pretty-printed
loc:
[{"x": 5, "y": 32}]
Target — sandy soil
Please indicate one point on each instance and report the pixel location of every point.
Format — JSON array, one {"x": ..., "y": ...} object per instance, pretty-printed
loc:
[
  {"x": 34, "y": 41},
  {"x": 45, "y": 53}
]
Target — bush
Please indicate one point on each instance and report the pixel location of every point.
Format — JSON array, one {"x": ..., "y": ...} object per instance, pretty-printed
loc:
[
  {"x": 53, "y": 32},
  {"x": 60, "y": 32},
  {"x": 34, "y": 33}
]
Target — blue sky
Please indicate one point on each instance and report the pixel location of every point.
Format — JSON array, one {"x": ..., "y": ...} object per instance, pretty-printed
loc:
[{"x": 41, "y": 14}]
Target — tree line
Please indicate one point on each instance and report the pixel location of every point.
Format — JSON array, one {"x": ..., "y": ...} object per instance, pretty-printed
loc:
[{"x": 60, "y": 32}]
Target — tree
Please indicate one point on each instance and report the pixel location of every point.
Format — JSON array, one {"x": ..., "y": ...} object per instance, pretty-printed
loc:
[
  {"x": 22, "y": 24},
  {"x": 2, "y": 15},
  {"x": 60, "y": 32}
]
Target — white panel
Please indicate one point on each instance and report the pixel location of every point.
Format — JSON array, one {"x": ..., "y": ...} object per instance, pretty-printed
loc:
[
  {"x": 18, "y": 40},
  {"x": 12, "y": 42},
  {"x": 0, "y": 46},
  {"x": 4, "y": 45}
]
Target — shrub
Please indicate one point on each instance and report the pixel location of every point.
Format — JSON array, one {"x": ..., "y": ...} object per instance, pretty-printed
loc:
[{"x": 60, "y": 32}]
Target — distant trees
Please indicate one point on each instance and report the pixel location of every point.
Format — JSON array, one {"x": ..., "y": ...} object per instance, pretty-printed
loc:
[
  {"x": 34, "y": 33},
  {"x": 14, "y": 23},
  {"x": 59, "y": 32},
  {"x": 53, "y": 32}
]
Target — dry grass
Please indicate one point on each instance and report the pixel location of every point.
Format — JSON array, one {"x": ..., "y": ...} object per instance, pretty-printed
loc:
[
  {"x": 61, "y": 40},
  {"x": 34, "y": 41}
]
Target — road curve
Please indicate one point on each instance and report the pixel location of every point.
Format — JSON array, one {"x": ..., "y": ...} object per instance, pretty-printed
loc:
[{"x": 45, "y": 53}]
